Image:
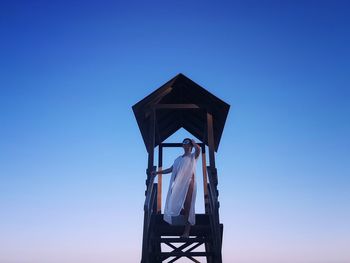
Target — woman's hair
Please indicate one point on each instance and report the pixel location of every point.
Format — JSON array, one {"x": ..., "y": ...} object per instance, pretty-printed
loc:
[{"x": 187, "y": 139}]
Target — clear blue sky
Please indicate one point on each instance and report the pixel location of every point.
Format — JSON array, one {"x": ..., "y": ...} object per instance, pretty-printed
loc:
[{"x": 72, "y": 160}]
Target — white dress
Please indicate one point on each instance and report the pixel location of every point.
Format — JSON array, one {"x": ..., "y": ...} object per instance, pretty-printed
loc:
[{"x": 183, "y": 169}]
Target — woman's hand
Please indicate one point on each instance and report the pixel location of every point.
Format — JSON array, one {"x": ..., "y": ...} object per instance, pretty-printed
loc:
[{"x": 197, "y": 148}]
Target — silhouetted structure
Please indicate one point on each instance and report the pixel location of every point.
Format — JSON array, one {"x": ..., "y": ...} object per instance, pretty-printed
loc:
[{"x": 181, "y": 103}]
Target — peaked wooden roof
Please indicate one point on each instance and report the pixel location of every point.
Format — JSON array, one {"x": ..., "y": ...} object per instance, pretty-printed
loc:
[{"x": 181, "y": 90}]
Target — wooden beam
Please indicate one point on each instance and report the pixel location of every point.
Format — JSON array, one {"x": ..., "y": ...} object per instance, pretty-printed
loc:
[
  {"x": 151, "y": 138},
  {"x": 172, "y": 144},
  {"x": 151, "y": 143},
  {"x": 160, "y": 167},
  {"x": 177, "y": 106},
  {"x": 210, "y": 135},
  {"x": 173, "y": 106},
  {"x": 149, "y": 184},
  {"x": 205, "y": 180},
  {"x": 158, "y": 97}
]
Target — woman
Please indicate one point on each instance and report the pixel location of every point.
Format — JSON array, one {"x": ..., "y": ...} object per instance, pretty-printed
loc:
[{"x": 182, "y": 188}]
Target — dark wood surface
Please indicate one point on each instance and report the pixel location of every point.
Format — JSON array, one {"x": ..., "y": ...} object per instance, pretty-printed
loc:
[
  {"x": 181, "y": 102},
  {"x": 201, "y": 238}
]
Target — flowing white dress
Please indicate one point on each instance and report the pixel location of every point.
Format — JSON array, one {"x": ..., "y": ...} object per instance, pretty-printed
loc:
[{"x": 183, "y": 169}]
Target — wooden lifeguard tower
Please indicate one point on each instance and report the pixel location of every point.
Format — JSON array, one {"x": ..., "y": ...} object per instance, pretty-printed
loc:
[{"x": 181, "y": 103}]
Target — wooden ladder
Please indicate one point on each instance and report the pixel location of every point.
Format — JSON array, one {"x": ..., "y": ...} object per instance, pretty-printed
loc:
[{"x": 166, "y": 245}]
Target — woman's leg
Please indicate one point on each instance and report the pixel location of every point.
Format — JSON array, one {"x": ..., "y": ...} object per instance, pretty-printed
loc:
[
  {"x": 188, "y": 200},
  {"x": 187, "y": 207}
]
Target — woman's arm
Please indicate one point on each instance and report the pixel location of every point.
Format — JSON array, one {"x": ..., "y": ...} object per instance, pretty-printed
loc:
[
  {"x": 166, "y": 171},
  {"x": 197, "y": 149}
]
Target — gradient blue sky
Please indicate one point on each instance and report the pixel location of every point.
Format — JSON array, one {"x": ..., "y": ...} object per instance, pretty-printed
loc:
[{"x": 72, "y": 161}]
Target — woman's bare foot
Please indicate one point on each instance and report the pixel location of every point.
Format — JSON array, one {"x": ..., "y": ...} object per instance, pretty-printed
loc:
[{"x": 186, "y": 233}]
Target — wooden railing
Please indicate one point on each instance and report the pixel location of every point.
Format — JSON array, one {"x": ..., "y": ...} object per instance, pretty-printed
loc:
[
  {"x": 214, "y": 211},
  {"x": 150, "y": 208},
  {"x": 149, "y": 194}
]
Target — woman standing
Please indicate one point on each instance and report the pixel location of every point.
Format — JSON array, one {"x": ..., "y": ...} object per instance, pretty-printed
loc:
[{"x": 182, "y": 187}]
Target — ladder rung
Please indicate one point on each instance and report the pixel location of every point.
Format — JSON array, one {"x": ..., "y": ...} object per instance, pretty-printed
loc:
[
  {"x": 195, "y": 230},
  {"x": 182, "y": 240},
  {"x": 185, "y": 254}
]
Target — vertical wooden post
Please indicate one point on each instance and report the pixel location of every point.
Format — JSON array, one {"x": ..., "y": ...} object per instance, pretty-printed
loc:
[
  {"x": 210, "y": 133},
  {"x": 151, "y": 136},
  {"x": 146, "y": 220},
  {"x": 160, "y": 167},
  {"x": 205, "y": 179},
  {"x": 214, "y": 180}
]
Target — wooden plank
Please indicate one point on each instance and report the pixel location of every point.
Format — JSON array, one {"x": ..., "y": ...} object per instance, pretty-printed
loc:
[
  {"x": 194, "y": 260},
  {"x": 182, "y": 240},
  {"x": 144, "y": 258},
  {"x": 178, "y": 231},
  {"x": 194, "y": 247},
  {"x": 176, "y": 106},
  {"x": 184, "y": 254},
  {"x": 174, "y": 259},
  {"x": 160, "y": 167},
  {"x": 214, "y": 218},
  {"x": 170, "y": 245},
  {"x": 147, "y": 215},
  {"x": 175, "y": 144},
  {"x": 151, "y": 138},
  {"x": 205, "y": 179},
  {"x": 210, "y": 133}
]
